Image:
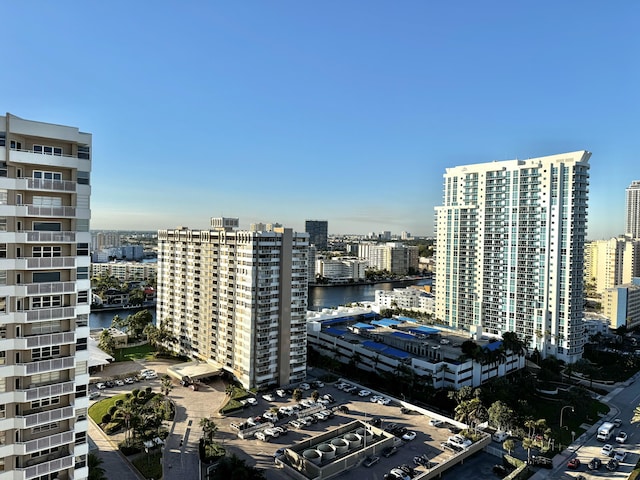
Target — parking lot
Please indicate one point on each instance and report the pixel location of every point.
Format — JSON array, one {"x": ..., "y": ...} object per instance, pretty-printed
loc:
[{"x": 427, "y": 441}]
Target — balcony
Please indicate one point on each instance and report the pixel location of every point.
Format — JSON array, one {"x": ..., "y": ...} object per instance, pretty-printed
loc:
[
  {"x": 58, "y": 313},
  {"x": 25, "y": 343},
  {"x": 56, "y": 440},
  {"x": 45, "y": 237},
  {"x": 45, "y": 468},
  {"x": 43, "y": 366},
  {"x": 42, "y": 418},
  {"x": 45, "y": 211},
  {"x": 37, "y": 393},
  {"x": 45, "y": 159},
  {"x": 40, "y": 263},
  {"x": 48, "y": 185},
  {"x": 45, "y": 288}
]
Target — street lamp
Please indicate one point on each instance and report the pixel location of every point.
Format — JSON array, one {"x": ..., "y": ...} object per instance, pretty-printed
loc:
[{"x": 562, "y": 412}]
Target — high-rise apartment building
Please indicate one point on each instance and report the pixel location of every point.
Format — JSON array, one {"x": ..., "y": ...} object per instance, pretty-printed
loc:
[
  {"x": 237, "y": 299},
  {"x": 510, "y": 250},
  {"x": 318, "y": 231},
  {"x": 632, "y": 218},
  {"x": 613, "y": 262},
  {"x": 44, "y": 305}
]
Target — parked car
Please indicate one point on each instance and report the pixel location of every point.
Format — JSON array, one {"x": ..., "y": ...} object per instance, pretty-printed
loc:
[
  {"x": 281, "y": 393},
  {"x": 607, "y": 450},
  {"x": 434, "y": 422},
  {"x": 252, "y": 401},
  {"x": 387, "y": 452},
  {"x": 370, "y": 460},
  {"x": 150, "y": 376},
  {"x": 594, "y": 464},
  {"x": 409, "y": 436},
  {"x": 364, "y": 393},
  {"x": 317, "y": 384},
  {"x": 619, "y": 455},
  {"x": 612, "y": 465},
  {"x": 119, "y": 383},
  {"x": 262, "y": 436},
  {"x": 343, "y": 409},
  {"x": 621, "y": 437},
  {"x": 329, "y": 398},
  {"x": 128, "y": 380},
  {"x": 101, "y": 386},
  {"x": 305, "y": 386},
  {"x": 295, "y": 424},
  {"x": 94, "y": 394},
  {"x": 574, "y": 463},
  {"x": 384, "y": 401},
  {"x": 272, "y": 432},
  {"x": 109, "y": 384},
  {"x": 268, "y": 397},
  {"x": 617, "y": 422}
]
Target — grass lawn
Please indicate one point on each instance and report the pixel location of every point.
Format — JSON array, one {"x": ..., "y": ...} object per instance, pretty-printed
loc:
[
  {"x": 149, "y": 464},
  {"x": 141, "y": 352},
  {"x": 98, "y": 409}
]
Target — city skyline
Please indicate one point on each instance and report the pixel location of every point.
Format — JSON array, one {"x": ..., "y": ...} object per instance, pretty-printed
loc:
[{"x": 287, "y": 112}]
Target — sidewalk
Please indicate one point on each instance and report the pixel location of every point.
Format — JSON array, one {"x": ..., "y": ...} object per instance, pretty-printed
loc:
[{"x": 115, "y": 465}]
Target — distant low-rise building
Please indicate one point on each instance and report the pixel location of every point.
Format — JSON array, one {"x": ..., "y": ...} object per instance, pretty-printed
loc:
[
  {"x": 341, "y": 269},
  {"x": 391, "y": 344},
  {"x": 410, "y": 298},
  {"x": 126, "y": 271},
  {"x": 622, "y": 304}
]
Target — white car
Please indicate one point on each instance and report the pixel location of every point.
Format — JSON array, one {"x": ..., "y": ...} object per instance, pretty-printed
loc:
[
  {"x": 101, "y": 386},
  {"x": 269, "y": 397},
  {"x": 119, "y": 383},
  {"x": 252, "y": 401},
  {"x": 409, "y": 436},
  {"x": 364, "y": 393},
  {"x": 607, "y": 450},
  {"x": 94, "y": 394},
  {"x": 620, "y": 455},
  {"x": 262, "y": 436},
  {"x": 281, "y": 393},
  {"x": 622, "y": 437},
  {"x": 128, "y": 380},
  {"x": 272, "y": 431},
  {"x": 434, "y": 422},
  {"x": 384, "y": 401},
  {"x": 144, "y": 373},
  {"x": 305, "y": 386},
  {"x": 375, "y": 398},
  {"x": 150, "y": 376}
]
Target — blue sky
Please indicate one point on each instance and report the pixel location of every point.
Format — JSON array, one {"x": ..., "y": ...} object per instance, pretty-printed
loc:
[{"x": 283, "y": 111}]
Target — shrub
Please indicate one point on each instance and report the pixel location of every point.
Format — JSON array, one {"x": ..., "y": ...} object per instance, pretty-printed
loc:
[
  {"x": 148, "y": 390},
  {"x": 113, "y": 427},
  {"x": 130, "y": 447},
  {"x": 119, "y": 403},
  {"x": 135, "y": 392},
  {"x": 112, "y": 410},
  {"x": 106, "y": 418}
]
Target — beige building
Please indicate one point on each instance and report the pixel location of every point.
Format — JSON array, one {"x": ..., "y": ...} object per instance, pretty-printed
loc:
[
  {"x": 611, "y": 262},
  {"x": 237, "y": 299},
  {"x": 126, "y": 271},
  {"x": 621, "y": 304},
  {"x": 391, "y": 256},
  {"x": 44, "y": 305}
]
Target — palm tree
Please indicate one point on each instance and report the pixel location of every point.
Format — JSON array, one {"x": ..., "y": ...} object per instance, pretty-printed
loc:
[
  {"x": 166, "y": 386},
  {"x": 528, "y": 443},
  {"x": 636, "y": 415},
  {"x": 209, "y": 429},
  {"x": 96, "y": 472}
]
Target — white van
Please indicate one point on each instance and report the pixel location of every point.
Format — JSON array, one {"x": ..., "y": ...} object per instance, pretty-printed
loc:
[{"x": 499, "y": 436}]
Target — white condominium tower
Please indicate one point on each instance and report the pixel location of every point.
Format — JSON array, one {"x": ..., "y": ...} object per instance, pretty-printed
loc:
[
  {"x": 237, "y": 299},
  {"x": 632, "y": 218},
  {"x": 44, "y": 301},
  {"x": 510, "y": 249}
]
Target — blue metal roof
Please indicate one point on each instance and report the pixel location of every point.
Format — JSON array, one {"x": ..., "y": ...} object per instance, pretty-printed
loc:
[
  {"x": 408, "y": 319},
  {"x": 406, "y": 336},
  {"x": 333, "y": 321},
  {"x": 386, "y": 322},
  {"x": 493, "y": 345},
  {"x": 396, "y": 353},
  {"x": 363, "y": 326},
  {"x": 379, "y": 347},
  {"x": 369, "y": 315},
  {"x": 334, "y": 331},
  {"x": 386, "y": 350},
  {"x": 424, "y": 330}
]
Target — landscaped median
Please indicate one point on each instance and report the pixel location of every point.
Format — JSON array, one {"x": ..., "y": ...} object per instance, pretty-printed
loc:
[
  {"x": 235, "y": 396},
  {"x": 133, "y": 419}
]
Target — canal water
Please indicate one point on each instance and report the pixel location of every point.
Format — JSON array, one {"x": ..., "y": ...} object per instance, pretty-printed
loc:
[{"x": 319, "y": 298}]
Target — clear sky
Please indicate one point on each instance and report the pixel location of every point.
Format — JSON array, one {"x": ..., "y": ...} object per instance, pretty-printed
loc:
[{"x": 346, "y": 111}]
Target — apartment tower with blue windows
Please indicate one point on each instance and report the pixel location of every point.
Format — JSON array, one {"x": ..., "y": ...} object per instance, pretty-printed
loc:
[{"x": 510, "y": 250}]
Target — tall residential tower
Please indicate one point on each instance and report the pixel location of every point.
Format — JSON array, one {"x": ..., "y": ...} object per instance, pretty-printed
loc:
[
  {"x": 237, "y": 299},
  {"x": 510, "y": 250},
  {"x": 632, "y": 217},
  {"x": 44, "y": 305},
  {"x": 318, "y": 231}
]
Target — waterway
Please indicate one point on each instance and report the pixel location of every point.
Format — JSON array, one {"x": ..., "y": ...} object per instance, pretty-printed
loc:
[{"x": 319, "y": 298}]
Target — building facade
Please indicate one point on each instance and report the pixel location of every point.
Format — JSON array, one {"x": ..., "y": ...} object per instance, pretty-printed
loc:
[
  {"x": 45, "y": 301},
  {"x": 632, "y": 217},
  {"x": 318, "y": 231},
  {"x": 510, "y": 250},
  {"x": 236, "y": 299},
  {"x": 126, "y": 271},
  {"x": 612, "y": 262},
  {"x": 621, "y": 304}
]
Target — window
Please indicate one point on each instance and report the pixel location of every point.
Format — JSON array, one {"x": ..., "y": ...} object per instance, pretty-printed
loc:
[
  {"x": 4, "y": 301},
  {"x": 3, "y": 138},
  {"x": 3, "y": 331},
  {"x": 83, "y": 297},
  {"x": 45, "y": 428},
  {"x": 82, "y": 249},
  {"x": 83, "y": 152},
  {"x": 49, "y": 301},
  {"x": 47, "y": 175},
  {"x": 46, "y": 201},
  {"x": 45, "y": 353},
  {"x": 3, "y": 277},
  {"x": 45, "y": 378},
  {"x": 82, "y": 273},
  {"x": 45, "y": 402},
  {"x": 82, "y": 225},
  {"x": 45, "y": 277},
  {"x": 47, "y": 150},
  {"x": 3, "y": 358},
  {"x": 3, "y": 411},
  {"x": 47, "y": 251},
  {"x": 3, "y": 224},
  {"x": 3, "y": 197},
  {"x": 53, "y": 326},
  {"x": 3, "y": 250},
  {"x": 47, "y": 226},
  {"x": 83, "y": 178}
]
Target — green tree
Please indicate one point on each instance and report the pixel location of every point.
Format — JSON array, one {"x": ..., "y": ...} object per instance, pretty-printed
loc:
[
  {"x": 106, "y": 343},
  {"x": 297, "y": 395},
  {"x": 500, "y": 415},
  {"x": 166, "y": 385},
  {"x": 96, "y": 472},
  {"x": 209, "y": 429},
  {"x": 134, "y": 324},
  {"x": 636, "y": 415},
  {"x": 235, "y": 468},
  {"x": 315, "y": 395},
  {"x": 528, "y": 443},
  {"x": 509, "y": 445}
]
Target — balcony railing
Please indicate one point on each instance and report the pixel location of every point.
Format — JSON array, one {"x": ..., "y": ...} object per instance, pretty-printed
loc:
[
  {"x": 48, "y": 365},
  {"x": 46, "y": 211},
  {"x": 55, "y": 237},
  {"x": 58, "y": 313},
  {"x": 51, "y": 339},
  {"x": 41, "y": 418},
  {"x": 44, "y": 443},
  {"x": 46, "y": 468},
  {"x": 53, "y": 185},
  {"x": 40, "y": 263},
  {"x": 48, "y": 391}
]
